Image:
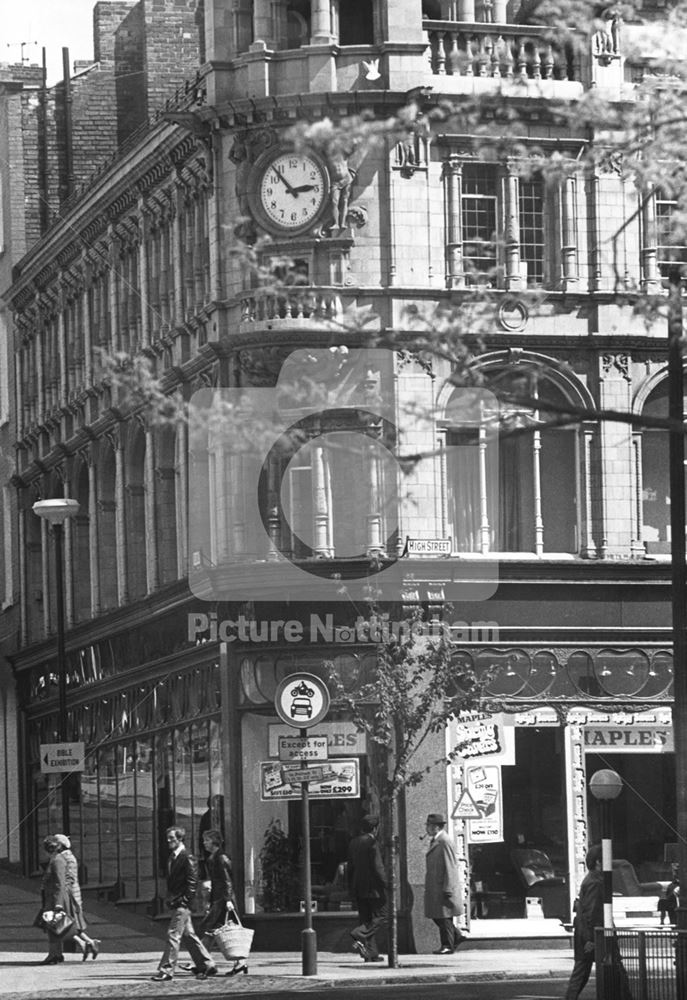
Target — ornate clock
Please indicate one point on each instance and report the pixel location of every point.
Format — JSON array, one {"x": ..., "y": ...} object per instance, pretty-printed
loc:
[{"x": 289, "y": 191}]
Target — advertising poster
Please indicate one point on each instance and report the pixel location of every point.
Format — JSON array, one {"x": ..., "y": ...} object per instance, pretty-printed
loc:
[
  {"x": 334, "y": 779},
  {"x": 483, "y": 784}
]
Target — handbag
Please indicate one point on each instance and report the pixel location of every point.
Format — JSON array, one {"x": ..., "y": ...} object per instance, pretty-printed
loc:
[
  {"x": 57, "y": 922},
  {"x": 232, "y": 938}
]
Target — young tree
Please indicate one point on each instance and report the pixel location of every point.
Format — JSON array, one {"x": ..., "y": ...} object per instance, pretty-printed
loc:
[{"x": 417, "y": 687}]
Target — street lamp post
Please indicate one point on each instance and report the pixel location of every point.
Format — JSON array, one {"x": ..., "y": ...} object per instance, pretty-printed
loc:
[
  {"x": 56, "y": 512},
  {"x": 605, "y": 786}
]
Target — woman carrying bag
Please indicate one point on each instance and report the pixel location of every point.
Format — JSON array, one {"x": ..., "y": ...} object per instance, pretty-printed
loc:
[
  {"x": 223, "y": 906},
  {"x": 61, "y": 897}
]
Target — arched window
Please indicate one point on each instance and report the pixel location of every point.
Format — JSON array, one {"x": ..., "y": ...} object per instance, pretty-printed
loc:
[
  {"x": 655, "y": 475},
  {"x": 511, "y": 471}
]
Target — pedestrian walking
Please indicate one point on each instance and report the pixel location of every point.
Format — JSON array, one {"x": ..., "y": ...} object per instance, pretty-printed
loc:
[
  {"x": 222, "y": 898},
  {"x": 60, "y": 892},
  {"x": 367, "y": 883},
  {"x": 182, "y": 881},
  {"x": 443, "y": 894},
  {"x": 589, "y": 913}
]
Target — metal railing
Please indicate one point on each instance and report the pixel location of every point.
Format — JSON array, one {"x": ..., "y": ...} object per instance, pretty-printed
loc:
[{"x": 634, "y": 964}]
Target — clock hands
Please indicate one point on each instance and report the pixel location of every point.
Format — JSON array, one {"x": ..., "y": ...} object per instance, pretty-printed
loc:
[
  {"x": 292, "y": 190},
  {"x": 295, "y": 191}
]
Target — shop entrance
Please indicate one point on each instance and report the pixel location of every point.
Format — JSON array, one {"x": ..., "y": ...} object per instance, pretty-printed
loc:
[{"x": 531, "y": 861}]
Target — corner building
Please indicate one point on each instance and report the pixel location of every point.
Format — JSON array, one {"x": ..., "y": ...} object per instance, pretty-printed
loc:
[{"x": 166, "y": 556}]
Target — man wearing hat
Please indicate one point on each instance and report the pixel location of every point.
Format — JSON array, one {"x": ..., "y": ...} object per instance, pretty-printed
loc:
[
  {"x": 443, "y": 895},
  {"x": 367, "y": 883}
]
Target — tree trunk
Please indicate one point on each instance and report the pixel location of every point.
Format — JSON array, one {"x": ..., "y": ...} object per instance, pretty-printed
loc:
[{"x": 391, "y": 873}]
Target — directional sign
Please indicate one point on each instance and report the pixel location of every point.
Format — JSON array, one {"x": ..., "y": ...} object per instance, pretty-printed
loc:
[
  {"x": 293, "y": 748},
  {"x": 466, "y": 807},
  {"x": 301, "y": 700},
  {"x": 60, "y": 757}
]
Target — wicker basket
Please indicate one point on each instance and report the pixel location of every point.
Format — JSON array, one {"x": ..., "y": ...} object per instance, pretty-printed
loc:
[{"x": 234, "y": 940}]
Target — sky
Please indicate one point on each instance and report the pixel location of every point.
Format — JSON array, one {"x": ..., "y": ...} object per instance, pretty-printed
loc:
[{"x": 49, "y": 23}]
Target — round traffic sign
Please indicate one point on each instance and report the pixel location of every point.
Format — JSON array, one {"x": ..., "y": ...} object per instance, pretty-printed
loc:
[{"x": 302, "y": 700}]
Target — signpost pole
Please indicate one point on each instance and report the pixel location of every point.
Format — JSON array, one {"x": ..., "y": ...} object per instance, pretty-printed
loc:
[
  {"x": 304, "y": 695},
  {"x": 308, "y": 934}
]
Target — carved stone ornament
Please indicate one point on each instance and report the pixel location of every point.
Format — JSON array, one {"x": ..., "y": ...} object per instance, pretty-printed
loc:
[
  {"x": 619, "y": 362},
  {"x": 513, "y": 315}
]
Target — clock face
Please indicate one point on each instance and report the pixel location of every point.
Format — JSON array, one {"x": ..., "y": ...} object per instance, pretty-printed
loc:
[{"x": 291, "y": 191}]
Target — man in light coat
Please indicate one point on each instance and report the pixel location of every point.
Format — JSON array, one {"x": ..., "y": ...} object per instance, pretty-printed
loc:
[{"x": 443, "y": 894}]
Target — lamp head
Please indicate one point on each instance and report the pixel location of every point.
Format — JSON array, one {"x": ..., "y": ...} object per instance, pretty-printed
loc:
[
  {"x": 56, "y": 511},
  {"x": 606, "y": 784}
]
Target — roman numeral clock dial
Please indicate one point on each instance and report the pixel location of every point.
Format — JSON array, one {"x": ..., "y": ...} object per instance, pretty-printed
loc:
[{"x": 289, "y": 192}]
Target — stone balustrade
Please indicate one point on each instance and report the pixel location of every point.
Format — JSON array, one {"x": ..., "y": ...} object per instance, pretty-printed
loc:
[
  {"x": 317, "y": 304},
  {"x": 506, "y": 51}
]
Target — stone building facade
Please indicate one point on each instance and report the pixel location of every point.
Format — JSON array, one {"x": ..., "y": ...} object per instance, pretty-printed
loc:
[{"x": 183, "y": 557}]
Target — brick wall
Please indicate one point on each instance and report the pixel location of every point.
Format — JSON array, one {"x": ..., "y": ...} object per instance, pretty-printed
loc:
[
  {"x": 132, "y": 107},
  {"x": 107, "y": 19},
  {"x": 172, "y": 47}
]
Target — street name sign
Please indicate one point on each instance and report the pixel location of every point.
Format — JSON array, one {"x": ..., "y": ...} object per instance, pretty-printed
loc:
[
  {"x": 56, "y": 758},
  {"x": 428, "y": 547}
]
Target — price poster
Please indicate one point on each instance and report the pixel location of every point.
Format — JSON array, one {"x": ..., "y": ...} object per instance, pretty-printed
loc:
[
  {"x": 484, "y": 787},
  {"x": 334, "y": 779}
]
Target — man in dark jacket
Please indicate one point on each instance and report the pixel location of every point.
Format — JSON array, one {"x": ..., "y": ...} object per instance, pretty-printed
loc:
[
  {"x": 589, "y": 913},
  {"x": 182, "y": 879},
  {"x": 367, "y": 882}
]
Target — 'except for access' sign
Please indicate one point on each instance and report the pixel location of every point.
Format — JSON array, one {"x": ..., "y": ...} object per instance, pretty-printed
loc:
[
  {"x": 56, "y": 758},
  {"x": 294, "y": 748}
]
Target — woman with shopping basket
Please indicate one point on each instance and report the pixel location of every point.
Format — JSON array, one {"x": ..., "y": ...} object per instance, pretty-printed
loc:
[{"x": 222, "y": 926}]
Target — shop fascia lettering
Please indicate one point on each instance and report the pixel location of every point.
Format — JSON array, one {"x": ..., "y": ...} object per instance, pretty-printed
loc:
[{"x": 646, "y": 738}]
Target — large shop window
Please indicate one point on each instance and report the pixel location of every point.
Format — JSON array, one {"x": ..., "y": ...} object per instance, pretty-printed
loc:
[
  {"x": 273, "y": 831},
  {"x": 643, "y": 816},
  {"x": 514, "y": 490}
]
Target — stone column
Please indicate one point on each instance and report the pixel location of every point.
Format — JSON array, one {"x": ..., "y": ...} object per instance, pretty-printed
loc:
[
  {"x": 120, "y": 519},
  {"x": 513, "y": 276},
  {"x": 113, "y": 289},
  {"x": 569, "y": 273},
  {"x": 321, "y": 494},
  {"x": 143, "y": 272},
  {"x": 651, "y": 278},
  {"x": 93, "y": 534},
  {"x": 321, "y": 23},
  {"x": 453, "y": 186},
  {"x": 152, "y": 569},
  {"x": 615, "y": 392}
]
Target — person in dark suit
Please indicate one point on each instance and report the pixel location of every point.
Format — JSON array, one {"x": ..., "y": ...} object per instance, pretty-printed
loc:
[
  {"x": 443, "y": 895},
  {"x": 182, "y": 879},
  {"x": 589, "y": 914},
  {"x": 367, "y": 882}
]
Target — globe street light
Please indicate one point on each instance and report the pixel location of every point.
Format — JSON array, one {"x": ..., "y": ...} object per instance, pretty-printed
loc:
[
  {"x": 56, "y": 512},
  {"x": 606, "y": 786}
]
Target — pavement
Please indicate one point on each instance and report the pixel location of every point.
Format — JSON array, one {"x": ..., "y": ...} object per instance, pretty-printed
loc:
[{"x": 132, "y": 944}]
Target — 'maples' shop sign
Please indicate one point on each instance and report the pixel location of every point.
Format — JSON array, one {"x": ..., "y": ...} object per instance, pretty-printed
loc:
[{"x": 629, "y": 739}]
